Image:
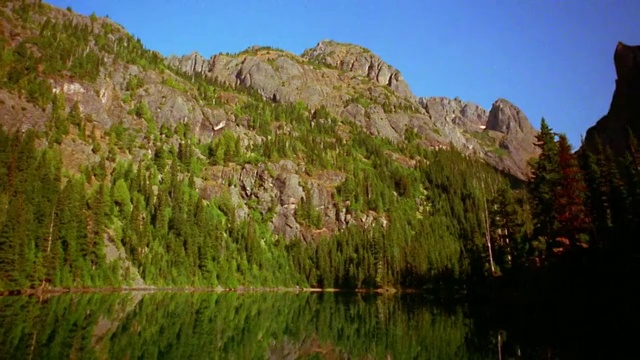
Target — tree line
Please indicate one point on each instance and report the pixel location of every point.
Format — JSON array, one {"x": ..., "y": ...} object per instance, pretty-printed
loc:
[{"x": 589, "y": 198}]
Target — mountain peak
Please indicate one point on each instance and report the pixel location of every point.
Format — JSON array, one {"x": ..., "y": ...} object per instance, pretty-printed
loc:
[
  {"x": 627, "y": 62},
  {"x": 361, "y": 61},
  {"x": 519, "y": 135},
  {"x": 506, "y": 118},
  {"x": 612, "y": 130},
  {"x": 192, "y": 63},
  {"x": 332, "y": 44}
]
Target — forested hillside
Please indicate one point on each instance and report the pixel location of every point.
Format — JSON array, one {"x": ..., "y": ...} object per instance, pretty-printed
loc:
[{"x": 119, "y": 169}]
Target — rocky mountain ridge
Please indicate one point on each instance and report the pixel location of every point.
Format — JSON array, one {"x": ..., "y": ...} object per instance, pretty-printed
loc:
[{"x": 356, "y": 84}]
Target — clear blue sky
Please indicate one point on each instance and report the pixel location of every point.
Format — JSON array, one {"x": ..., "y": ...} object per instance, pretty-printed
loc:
[{"x": 552, "y": 58}]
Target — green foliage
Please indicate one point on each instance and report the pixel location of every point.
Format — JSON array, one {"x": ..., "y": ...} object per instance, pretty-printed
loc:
[
  {"x": 254, "y": 50},
  {"x": 59, "y": 122},
  {"x": 224, "y": 149},
  {"x": 307, "y": 213},
  {"x": 585, "y": 199},
  {"x": 612, "y": 196},
  {"x": 432, "y": 211},
  {"x": 361, "y": 100},
  {"x": 508, "y": 229},
  {"x": 171, "y": 82},
  {"x": 544, "y": 179},
  {"x": 214, "y": 326},
  {"x": 43, "y": 235},
  {"x": 134, "y": 83},
  {"x": 122, "y": 198},
  {"x": 411, "y": 135},
  {"x": 557, "y": 193},
  {"x": 142, "y": 111},
  {"x": 62, "y": 48}
]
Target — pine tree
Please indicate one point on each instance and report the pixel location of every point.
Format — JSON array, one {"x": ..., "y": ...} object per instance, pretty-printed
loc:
[
  {"x": 615, "y": 199},
  {"x": 572, "y": 215},
  {"x": 59, "y": 124},
  {"x": 632, "y": 180},
  {"x": 595, "y": 199},
  {"x": 97, "y": 225},
  {"x": 14, "y": 244},
  {"x": 72, "y": 229},
  {"x": 545, "y": 176},
  {"x": 122, "y": 198},
  {"x": 505, "y": 227}
]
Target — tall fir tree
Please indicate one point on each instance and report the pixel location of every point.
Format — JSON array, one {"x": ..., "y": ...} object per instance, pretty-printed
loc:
[
  {"x": 596, "y": 200},
  {"x": 506, "y": 228},
  {"x": 545, "y": 176},
  {"x": 631, "y": 178},
  {"x": 573, "y": 219},
  {"x": 615, "y": 199}
]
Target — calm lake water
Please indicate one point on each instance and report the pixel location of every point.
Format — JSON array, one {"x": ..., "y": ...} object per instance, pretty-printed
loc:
[{"x": 170, "y": 325}]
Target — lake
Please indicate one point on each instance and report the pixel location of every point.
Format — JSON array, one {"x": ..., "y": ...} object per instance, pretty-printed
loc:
[{"x": 251, "y": 325}]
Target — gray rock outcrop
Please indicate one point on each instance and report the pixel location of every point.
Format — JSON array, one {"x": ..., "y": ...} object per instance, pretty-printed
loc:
[
  {"x": 360, "y": 61},
  {"x": 467, "y": 115},
  {"x": 193, "y": 63},
  {"x": 517, "y": 136}
]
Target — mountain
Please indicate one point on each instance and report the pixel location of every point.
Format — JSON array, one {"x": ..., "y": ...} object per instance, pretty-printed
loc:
[
  {"x": 350, "y": 81},
  {"x": 118, "y": 165},
  {"x": 613, "y": 129},
  {"x": 353, "y": 83}
]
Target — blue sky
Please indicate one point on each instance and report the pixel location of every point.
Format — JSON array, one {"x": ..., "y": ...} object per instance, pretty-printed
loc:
[{"x": 552, "y": 58}]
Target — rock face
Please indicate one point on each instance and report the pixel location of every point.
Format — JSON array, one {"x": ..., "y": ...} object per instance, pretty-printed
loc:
[
  {"x": 276, "y": 75},
  {"x": 358, "y": 60},
  {"x": 321, "y": 76},
  {"x": 503, "y": 130},
  {"x": 506, "y": 118},
  {"x": 467, "y": 115},
  {"x": 356, "y": 84},
  {"x": 624, "y": 112},
  {"x": 193, "y": 63},
  {"x": 517, "y": 135},
  {"x": 280, "y": 188}
]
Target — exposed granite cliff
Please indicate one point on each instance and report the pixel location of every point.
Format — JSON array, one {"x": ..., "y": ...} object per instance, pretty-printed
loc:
[
  {"x": 356, "y": 84},
  {"x": 358, "y": 60},
  {"x": 516, "y": 135},
  {"x": 466, "y": 115},
  {"x": 285, "y": 77},
  {"x": 501, "y": 131}
]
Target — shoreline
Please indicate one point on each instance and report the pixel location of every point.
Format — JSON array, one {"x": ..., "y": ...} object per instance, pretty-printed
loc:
[{"x": 151, "y": 289}]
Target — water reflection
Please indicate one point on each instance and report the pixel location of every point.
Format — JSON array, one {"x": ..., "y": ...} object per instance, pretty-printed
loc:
[
  {"x": 173, "y": 325},
  {"x": 231, "y": 326}
]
